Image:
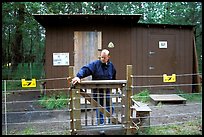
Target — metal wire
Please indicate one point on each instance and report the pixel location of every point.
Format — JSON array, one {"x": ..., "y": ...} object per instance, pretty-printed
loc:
[
  {"x": 173, "y": 85},
  {"x": 168, "y": 116},
  {"x": 167, "y": 124},
  {"x": 40, "y": 111},
  {"x": 159, "y": 76},
  {"x": 37, "y": 90},
  {"x": 65, "y": 121},
  {"x": 39, "y": 122}
]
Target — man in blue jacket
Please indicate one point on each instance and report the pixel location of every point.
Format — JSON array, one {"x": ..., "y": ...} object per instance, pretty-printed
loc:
[{"x": 101, "y": 69}]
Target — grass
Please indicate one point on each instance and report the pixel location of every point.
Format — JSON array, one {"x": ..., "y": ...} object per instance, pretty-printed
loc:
[
  {"x": 30, "y": 130},
  {"x": 194, "y": 97},
  {"x": 187, "y": 128},
  {"x": 27, "y": 131},
  {"x": 142, "y": 96}
]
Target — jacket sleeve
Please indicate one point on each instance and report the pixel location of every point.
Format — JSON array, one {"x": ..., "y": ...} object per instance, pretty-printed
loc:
[
  {"x": 114, "y": 73},
  {"x": 86, "y": 71}
]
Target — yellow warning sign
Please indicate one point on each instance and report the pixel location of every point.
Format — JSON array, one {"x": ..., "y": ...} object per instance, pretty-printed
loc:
[
  {"x": 171, "y": 78},
  {"x": 26, "y": 83}
]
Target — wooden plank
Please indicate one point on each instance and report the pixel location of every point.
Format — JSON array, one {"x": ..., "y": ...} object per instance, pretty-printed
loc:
[
  {"x": 141, "y": 108},
  {"x": 98, "y": 82},
  {"x": 173, "y": 98},
  {"x": 108, "y": 130},
  {"x": 167, "y": 97},
  {"x": 138, "y": 103},
  {"x": 90, "y": 84}
]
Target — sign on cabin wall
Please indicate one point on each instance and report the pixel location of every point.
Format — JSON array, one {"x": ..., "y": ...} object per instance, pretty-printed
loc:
[
  {"x": 162, "y": 44},
  {"x": 60, "y": 59},
  {"x": 28, "y": 83},
  {"x": 171, "y": 78}
]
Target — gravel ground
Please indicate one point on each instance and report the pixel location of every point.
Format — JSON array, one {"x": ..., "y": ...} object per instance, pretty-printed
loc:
[
  {"x": 165, "y": 114},
  {"x": 49, "y": 121}
]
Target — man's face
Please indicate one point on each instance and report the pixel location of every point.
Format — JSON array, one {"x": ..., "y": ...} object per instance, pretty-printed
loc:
[{"x": 104, "y": 57}]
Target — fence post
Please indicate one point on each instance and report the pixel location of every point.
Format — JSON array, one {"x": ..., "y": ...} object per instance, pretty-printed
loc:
[
  {"x": 75, "y": 111},
  {"x": 71, "y": 74},
  {"x": 5, "y": 106},
  {"x": 129, "y": 99}
]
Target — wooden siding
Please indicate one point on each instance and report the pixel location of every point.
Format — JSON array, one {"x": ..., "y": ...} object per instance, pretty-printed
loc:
[
  {"x": 141, "y": 39},
  {"x": 139, "y": 58},
  {"x": 57, "y": 41},
  {"x": 121, "y": 53}
]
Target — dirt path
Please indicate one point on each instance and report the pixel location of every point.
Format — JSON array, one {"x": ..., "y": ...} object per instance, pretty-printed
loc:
[{"x": 176, "y": 113}]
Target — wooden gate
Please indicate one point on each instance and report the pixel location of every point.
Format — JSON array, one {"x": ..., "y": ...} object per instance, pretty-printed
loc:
[{"x": 83, "y": 117}]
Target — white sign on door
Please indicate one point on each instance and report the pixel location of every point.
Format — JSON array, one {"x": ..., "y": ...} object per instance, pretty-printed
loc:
[
  {"x": 162, "y": 44},
  {"x": 60, "y": 59}
]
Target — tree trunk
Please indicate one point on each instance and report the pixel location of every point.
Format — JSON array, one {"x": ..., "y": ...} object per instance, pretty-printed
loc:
[{"x": 16, "y": 45}]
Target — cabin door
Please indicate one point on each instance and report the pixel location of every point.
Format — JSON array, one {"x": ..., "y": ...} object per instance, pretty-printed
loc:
[
  {"x": 161, "y": 60},
  {"x": 87, "y": 45}
]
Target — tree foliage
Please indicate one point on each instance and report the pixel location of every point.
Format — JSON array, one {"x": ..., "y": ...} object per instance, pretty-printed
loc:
[{"x": 23, "y": 37}]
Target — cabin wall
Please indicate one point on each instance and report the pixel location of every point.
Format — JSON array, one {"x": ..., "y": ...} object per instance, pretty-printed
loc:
[
  {"x": 131, "y": 46},
  {"x": 178, "y": 55}
]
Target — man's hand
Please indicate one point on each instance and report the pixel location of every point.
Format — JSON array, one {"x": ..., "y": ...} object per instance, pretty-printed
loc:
[{"x": 75, "y": 80}]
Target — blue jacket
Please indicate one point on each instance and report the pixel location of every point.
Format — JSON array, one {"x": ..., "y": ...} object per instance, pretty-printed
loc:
[{"x": 98, "y": 70}]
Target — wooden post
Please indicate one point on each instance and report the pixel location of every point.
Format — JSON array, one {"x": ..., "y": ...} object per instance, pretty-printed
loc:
[
  {"x": 71, "y": 74},
  {"x": 75, "y": 113},
  {"x": 196, "y": 79},
  {"x": 123, "y": 102},
  {"x": 76, "y": 108},
  {"x": 128, "y": 99}
]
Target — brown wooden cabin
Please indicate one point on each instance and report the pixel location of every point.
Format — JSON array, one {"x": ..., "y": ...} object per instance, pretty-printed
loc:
[{"x": 152, "y": 49}]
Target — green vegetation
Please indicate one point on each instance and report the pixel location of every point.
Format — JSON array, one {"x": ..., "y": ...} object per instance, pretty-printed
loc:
[
  {"x": 187, "y": 128},
  {"x": 54, "y": 101},
  {"x": 142, "y": 96},
  {"x": 191, "y": 97},
  {"x": 32, "y": 131},
  {"x": 194, "y": 97},
  {"x": 27, "y": 131},
  {"x": 24, "y": 71}
]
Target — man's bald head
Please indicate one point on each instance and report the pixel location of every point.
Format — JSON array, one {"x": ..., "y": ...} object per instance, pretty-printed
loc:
[{"x": 105, "y": 55}]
